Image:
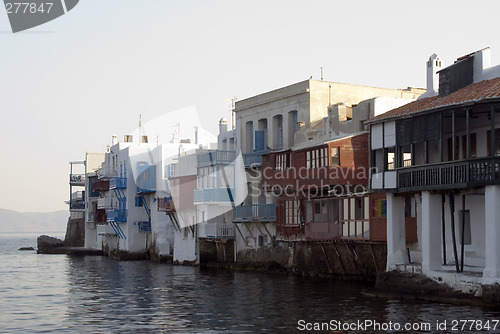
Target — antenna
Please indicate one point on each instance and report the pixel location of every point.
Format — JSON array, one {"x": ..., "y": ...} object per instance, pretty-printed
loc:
[
  {"x": 321, "y": 73},
  {"x": 140, "y": 128},
  {"x": 232, "y": 112}
]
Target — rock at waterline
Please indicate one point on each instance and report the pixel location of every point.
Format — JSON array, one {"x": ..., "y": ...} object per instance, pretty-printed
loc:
[
  {"x": 49, "y": 245},
  {"x": 26, "y": 249}
]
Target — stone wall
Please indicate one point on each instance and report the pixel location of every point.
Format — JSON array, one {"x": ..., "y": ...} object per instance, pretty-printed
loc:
[{"x": 75, "y": 232}]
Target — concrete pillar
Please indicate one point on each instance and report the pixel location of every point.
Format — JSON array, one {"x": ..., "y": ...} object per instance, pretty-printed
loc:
[
  {"x": 492, "y": 230},
  {"x": 396, "y": 237},
  {"x": 431, "y": 231}
]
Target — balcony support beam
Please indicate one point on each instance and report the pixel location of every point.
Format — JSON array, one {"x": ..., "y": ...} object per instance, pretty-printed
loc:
[{"x": 492, "y": 131}]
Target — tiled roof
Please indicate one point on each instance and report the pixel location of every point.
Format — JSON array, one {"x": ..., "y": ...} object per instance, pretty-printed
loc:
[{"x": 487, "y": 89}]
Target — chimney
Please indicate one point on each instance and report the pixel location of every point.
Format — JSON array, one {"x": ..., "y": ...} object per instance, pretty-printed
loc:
[
  {"x": 114, "y": 140},
  {"x": 222, "y": 125},
  {"x": 433, "y": 66}
]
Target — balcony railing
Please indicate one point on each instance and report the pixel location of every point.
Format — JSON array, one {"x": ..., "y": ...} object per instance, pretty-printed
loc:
[
  {"x": 77, "y": 179},
  {"x": 450, "y": 175},
  {"x": 104, "y": 203},
  {"x": 213, "y": 195},
  {"x": 214, "y": 230},
  {"x": 118, "y": 183},
  {"x": 254, "y": 213},
  {"x": 107, "y": 172},
  {"x": 215, "y": 158},
  {"x": 118, "y": 216},
  {"x": 254, "y": 158},
  {"x": 76, "y": 204},
  {"x": 165, "y": 204}
]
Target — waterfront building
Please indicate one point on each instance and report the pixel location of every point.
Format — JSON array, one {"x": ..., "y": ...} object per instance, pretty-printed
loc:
[
  {"x": 136, "y": 173},
  {"x": 281, "y": 128},
  {"x": 442, "y": 153},
  {"x": 215, "y": 196},
  {"x": 83, "y": 198}
]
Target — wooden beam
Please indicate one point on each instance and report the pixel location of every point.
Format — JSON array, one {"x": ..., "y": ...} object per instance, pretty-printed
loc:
[
  {"x": 453, "y": 130},
  {"x": 493, "y": 147},
  {"x": 467, "y": 131}
]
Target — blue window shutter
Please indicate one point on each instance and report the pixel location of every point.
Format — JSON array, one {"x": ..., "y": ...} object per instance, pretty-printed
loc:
[{"x": 259, "y": 141}]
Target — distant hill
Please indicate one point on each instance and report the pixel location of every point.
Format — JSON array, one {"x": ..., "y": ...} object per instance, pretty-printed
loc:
[{"x": 13, "y": 221}]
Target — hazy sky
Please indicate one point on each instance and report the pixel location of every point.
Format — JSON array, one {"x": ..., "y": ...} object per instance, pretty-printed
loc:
[{"x": 68, "y": 85}]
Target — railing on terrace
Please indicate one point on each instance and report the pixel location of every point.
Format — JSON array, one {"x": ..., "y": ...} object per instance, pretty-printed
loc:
[
  {"x": 76, "y": 204},
  {"x": 117, "y": 216},
  {"x": 214, "y": 230},
  {"x": 107, "y": 172},
  {"x": 215, "y": 157},
  {"x": 118, "y": 183},
  {"x": 77, "y": 179},
  {"x": 254, "y": 158},
  {"x": 104, "y": 203},
  {"x": 213, "y": 195},
  {"x": 450, "y": 175},
  {"x": 254, "y": 213}
]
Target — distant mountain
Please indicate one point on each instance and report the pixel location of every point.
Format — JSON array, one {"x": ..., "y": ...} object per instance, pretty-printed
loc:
[{"x": 44, "y": 222}]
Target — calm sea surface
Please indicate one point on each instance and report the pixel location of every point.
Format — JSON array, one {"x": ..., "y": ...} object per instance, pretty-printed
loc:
[{"x": 58, "y": 294}]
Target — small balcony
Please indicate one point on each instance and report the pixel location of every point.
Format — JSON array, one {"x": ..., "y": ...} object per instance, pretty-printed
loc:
[
  {"x": 104, "y": 203},
  {"x": 107, "y": 172},
  {"x": 146, "y": 181},
  {"x": 254, "y": 213},
  {"x": 217, "y": 157},
  {"x": 77, "y": 201},
  {"x": 165, "y": 204},
  {"x": 77, "y": 179},
  {"x": 476, "y": 172},
  {"x": 118, "y": 183},
  {"x": 100, "y": 186},
  {"x": 119, "y": 216},
  {"x": 215, "y": 230},
  {"x": 213, "y": 195}
]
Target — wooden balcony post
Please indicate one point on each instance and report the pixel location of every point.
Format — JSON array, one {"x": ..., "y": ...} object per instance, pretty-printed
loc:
[{"x": 492, "y": 131}]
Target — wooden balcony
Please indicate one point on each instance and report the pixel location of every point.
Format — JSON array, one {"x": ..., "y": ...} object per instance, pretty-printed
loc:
[
  {"x": 477, "y": 172},
  {"x": 165, "y": 204},
  {"x": 100, "y": 185}
]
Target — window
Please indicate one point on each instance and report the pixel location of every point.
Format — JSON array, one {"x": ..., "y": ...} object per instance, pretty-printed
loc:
[
  {"x": 317, "y": 158},
  {"x": 390, "y": 158},
  {"x": 292, "y": 213},
  {"x": 282, "y": 161},
  {"x": 355, "y": 217},
  {"x": 138, "y": 201},
  {"x": 472, "y": 146},
  {"x": 410, "y": 207},
  {"x": 497, "y": 142},
  {"x": 335, "y": 156}
]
